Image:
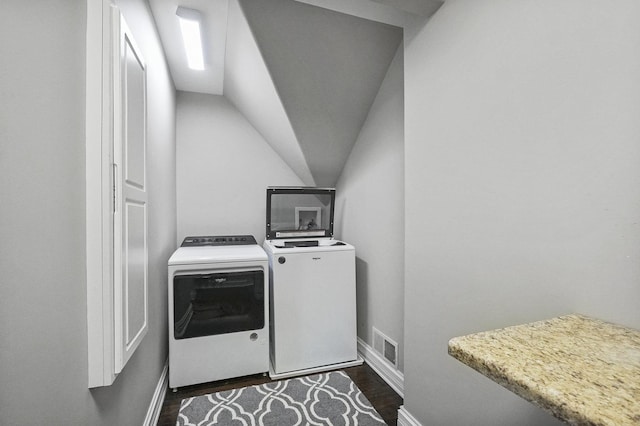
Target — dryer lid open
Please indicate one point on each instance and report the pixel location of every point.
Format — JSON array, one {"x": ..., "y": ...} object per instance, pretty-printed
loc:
[{"x": 299, "y": 212}]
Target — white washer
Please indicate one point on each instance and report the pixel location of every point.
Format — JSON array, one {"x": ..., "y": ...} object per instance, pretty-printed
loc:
[
  {"x": 313, "y": 307},
  {"x": 218, "y": 310}
]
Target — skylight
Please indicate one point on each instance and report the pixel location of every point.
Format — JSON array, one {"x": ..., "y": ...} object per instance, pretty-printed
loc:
[{"x": 190, "y": 21}]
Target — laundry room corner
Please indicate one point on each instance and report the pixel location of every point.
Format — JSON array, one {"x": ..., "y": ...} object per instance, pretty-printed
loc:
[{"x": 370, "y": 215}]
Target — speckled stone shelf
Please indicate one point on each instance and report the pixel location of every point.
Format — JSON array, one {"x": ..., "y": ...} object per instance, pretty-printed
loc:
[{"x": 582, "y": 370}]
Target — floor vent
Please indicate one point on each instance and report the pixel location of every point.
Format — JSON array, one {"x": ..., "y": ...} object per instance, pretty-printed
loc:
[{"x": 385, "y": 347}]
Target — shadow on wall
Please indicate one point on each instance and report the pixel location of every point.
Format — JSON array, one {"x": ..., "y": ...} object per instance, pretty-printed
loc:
[
  {"x": 362, "y": 295},
  {"x": 338, "y": 217}
]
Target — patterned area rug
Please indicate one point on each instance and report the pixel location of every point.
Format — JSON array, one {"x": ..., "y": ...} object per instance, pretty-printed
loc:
[{"x": 322, "y": 399}]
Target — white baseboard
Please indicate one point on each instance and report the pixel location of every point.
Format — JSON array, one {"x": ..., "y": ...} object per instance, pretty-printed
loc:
[
  {"x": 153, "y": 412},
  {"x": 406, "y": 419},
  {"x": 388, "y": 372}
]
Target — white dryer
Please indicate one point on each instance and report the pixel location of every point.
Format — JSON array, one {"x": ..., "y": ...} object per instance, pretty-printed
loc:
[
  {"x": 312, "y": 285},
  {"x": 218, "y": 310}
]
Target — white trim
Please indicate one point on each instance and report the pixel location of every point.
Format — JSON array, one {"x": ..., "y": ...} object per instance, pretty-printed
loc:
[
  {"x": 153, "y": 412},
  {"x": 406, "y": 419},
  {"x": 392, "y": 376},
  {"x": 98, "y": 196}
]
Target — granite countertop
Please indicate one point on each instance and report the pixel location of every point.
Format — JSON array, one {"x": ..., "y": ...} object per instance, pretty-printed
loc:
[{"x": 582, "y": 370}]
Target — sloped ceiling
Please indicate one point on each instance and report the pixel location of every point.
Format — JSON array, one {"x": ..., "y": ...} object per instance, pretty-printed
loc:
[
  {"x": 248, "y": 86},
  {"x": 305, "y": 75},
  {"x": 423, "y": 8},
  {"x": 327, "y": 68},
  {"x": 395, "y": 12}
]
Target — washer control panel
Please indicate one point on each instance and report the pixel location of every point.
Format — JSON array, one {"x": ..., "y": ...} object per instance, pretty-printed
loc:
[{"x": 221, "y": 240}]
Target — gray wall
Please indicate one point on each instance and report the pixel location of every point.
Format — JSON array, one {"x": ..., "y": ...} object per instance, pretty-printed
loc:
[
  {"x": 370, "y": 211},
  {"x": 522, "y": 177},
  {"x": 223, "y": 169},
  {"x": 43, "y": 342}
]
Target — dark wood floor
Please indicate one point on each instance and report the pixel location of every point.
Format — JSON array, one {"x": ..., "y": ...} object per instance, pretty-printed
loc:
[{"x": 383, "y": 398}]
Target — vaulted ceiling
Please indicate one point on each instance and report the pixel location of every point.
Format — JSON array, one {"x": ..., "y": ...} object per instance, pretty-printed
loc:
[{"x": 305, "y": 73}]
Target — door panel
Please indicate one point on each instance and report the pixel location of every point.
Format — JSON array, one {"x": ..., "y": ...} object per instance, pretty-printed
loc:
[
  {"x": 136, "y": 279},
  {"x": 135, "y": 119},
  {"x": 130, "y": 215}
]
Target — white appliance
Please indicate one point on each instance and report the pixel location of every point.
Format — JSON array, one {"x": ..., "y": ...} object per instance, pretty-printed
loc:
[
  {"x": 312, "y": 285},
  {"x": 218, "y": 310}
]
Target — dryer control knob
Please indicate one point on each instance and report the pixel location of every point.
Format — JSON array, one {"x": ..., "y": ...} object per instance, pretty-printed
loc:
[{"x": 281, "y": 260}]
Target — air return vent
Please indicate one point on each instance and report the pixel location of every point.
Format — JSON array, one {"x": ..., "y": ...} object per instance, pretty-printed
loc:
[{"x": 386, "y": 347}]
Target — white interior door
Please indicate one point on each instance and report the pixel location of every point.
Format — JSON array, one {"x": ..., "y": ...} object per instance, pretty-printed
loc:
[{"x": 130, "y": 198}]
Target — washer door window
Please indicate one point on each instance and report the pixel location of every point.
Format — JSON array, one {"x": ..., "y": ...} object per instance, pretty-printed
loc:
[{"x": 217, "y": 303}]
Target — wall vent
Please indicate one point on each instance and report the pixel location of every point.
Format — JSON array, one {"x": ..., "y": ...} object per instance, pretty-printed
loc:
[{"x": 386, "y": 347}]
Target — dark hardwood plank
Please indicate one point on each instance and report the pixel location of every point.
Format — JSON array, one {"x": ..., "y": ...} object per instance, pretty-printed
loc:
[{"x": 383, "y": 398}]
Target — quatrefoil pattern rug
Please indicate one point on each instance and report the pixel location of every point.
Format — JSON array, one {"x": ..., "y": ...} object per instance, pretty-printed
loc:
[{"x": 322, "y": 399}]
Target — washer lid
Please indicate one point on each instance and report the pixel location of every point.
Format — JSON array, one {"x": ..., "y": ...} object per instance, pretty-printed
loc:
[
  {"x": 299, "y": 212},
  {"x": 217, "y": 254}
]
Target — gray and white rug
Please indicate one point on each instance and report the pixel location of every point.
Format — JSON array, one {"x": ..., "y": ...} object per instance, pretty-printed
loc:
[{"x": 322, "y": 399}]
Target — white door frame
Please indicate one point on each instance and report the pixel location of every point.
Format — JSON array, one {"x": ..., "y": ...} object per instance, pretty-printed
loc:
[{"x": 99, "y": 194}]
